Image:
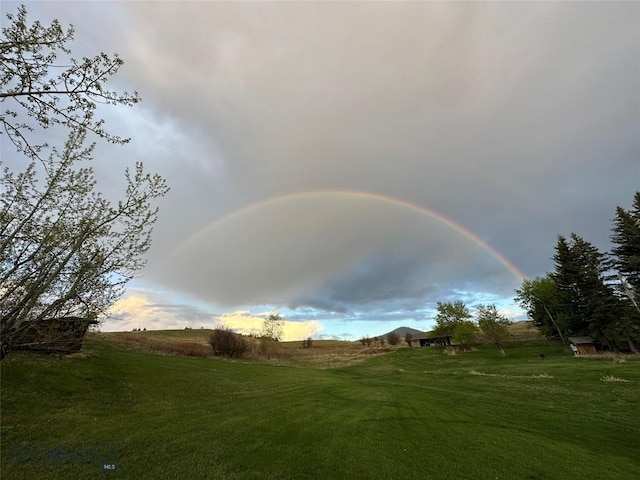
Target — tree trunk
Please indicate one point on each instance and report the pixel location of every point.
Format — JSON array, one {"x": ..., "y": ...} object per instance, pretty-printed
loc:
[{"x": 554, "y": 323}]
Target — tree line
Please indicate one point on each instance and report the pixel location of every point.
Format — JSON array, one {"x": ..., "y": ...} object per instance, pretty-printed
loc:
[
  {"x": 454, "y": 319},
  {"x": 589, "y": 292}
]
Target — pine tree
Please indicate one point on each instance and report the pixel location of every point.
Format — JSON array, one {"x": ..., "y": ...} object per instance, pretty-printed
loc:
[
  {"x": 626, "y": 238},
  {"x": 587, "y": 302},
  {"x": 626, "y": 259}
]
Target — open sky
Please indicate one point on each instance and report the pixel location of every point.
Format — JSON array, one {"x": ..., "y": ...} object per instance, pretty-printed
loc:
[{"x": 351, "y": 164}]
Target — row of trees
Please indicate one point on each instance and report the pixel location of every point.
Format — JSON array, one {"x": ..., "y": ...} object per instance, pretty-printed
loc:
[
  {"x": 392, "y": 338},
  {"x": 591, "y": 292},
  {"x": 454, "y": 319}
]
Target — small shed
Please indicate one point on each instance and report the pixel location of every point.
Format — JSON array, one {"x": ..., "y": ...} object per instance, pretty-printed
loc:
[
  {"x": 53, "y": 335},
  {"x": 431, "y": 340},
  {"x": 582, "y": 346}
]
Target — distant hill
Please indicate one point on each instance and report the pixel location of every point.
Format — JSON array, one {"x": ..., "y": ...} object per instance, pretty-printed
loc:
[
  {"x": 520, "y": 331},
  {"x": 402, "y": 331}
]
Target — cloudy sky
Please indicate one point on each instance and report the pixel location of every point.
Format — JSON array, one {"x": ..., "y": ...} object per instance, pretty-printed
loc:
[{"x": 351, "y": 164}]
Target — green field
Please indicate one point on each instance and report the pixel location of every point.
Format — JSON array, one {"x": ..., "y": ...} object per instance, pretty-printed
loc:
[{"x": 410, "y": 413}]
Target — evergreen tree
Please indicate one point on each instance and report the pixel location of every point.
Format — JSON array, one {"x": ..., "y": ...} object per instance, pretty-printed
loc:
[
  {"x": 626, "y": 259},
  {"x": 588, "y": 303},
  {"x": 626, "y": 238}
]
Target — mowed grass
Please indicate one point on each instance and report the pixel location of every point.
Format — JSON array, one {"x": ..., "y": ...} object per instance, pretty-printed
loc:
[{"x": 411, "y": 413}]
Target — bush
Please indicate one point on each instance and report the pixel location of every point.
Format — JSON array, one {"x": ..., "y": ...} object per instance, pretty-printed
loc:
[
  {"x": 393, "y": 338},
  {"x": 226, "y": 343},
  {"x": 268, "y": 347},
  {"x": 307, "y": 342}
]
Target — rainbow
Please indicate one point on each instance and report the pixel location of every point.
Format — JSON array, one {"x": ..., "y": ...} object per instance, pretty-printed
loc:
[{"x": 366, "y": 196}]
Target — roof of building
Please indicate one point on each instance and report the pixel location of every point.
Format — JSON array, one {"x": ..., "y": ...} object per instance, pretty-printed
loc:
[{"x": 580, "y": 340}]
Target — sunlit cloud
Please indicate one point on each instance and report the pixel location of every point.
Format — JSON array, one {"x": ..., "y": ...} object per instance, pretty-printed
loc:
[
  {"x": 248, "y": 323},
  {"x": 143, "y": 308}
]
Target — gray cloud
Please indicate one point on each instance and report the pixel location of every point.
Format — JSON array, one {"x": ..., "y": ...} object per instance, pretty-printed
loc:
[{"x": 518, "y": 121}]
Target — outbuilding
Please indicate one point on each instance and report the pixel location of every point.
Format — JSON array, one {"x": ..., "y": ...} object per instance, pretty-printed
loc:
[
  {"x": 431, "y": 340},
  {"x": 582, "y": 346}
]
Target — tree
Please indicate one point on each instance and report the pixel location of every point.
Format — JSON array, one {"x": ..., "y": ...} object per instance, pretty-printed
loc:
[
  {"x": 65, "y": 251},
  {"x": 407, "y": 338},
  {"x": 539, "y": 297},
  {"x": 465, "y": 333},
  {"x": 272, "y": 327},
  {"x": 393, "y": 338},
  {"x": 588, "y": 302},
  {"x": 449, "y": 316},
  {"x": 271, "y": 333},
  {"x": 493, "y": 325},
  {"x": 626, "y": 259},
  {"x": 626, "y": 238},
  {"x": 45, "y": 86}
]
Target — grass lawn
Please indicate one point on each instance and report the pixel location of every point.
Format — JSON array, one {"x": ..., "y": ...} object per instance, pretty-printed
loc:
[{"x": 411, "y": 413}]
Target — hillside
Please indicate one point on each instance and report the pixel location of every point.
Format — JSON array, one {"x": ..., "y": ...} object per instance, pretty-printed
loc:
[
  {"x": 153, "y": 416},
  {"x": 402, "y": 331}
]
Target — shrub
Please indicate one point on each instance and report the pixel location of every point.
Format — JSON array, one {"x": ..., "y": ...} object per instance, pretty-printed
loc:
[
  {"x": 407, "y": 338},
  {"x": 393, "y": 338},
  {"x": 226, "y": 343},
  {"x": 268, "y": 347},
  {"x": 307, "y": 342}
]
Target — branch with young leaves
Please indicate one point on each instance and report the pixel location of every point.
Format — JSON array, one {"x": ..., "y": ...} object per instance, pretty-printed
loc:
[
  {"x": 64, "y": 249},
  {"x": 33, "y": 86}
]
